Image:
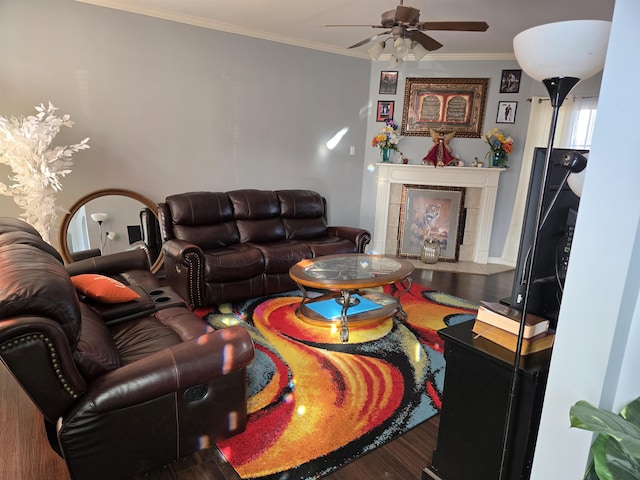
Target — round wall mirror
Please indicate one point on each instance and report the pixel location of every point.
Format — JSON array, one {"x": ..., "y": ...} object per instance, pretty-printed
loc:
[{"x": 110, "y": 221}]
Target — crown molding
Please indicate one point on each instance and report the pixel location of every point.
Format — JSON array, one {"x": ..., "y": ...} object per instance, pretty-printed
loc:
[
  {"x": 125, "y": 6},
  {"x": 462, "y": 57}
]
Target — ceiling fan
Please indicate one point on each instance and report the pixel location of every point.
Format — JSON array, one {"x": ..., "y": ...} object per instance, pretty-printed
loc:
[{"x": 404, "y": 22}]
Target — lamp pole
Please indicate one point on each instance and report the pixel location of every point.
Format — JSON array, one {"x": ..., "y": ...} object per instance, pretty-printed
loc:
[{"x": 558, "y": 88}]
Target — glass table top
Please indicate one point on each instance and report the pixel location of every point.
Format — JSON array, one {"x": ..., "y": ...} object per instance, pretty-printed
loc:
[{"x": 352, "y": 268}]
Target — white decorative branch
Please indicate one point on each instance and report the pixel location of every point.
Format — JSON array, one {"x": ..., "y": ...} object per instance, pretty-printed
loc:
[{"x": 25, "y": 146}]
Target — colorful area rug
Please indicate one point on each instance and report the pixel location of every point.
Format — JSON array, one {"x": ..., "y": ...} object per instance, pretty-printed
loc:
[{"x": 316, "y": 403}]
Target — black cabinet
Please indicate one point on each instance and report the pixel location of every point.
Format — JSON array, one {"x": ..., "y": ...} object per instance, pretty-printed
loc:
[{"x": 474, "y": 409}]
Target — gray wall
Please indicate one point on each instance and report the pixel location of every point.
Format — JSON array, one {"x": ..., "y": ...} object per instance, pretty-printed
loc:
[{"x": 173, "y": 108}]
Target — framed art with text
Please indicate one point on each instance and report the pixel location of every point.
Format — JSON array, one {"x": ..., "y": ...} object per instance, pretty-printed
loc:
[
  {"x": 445, "y": 105},
  {"x": 431, "y": 212},
  {"x": 388, "y": 83},
  {"x": 385, "y": 110}
]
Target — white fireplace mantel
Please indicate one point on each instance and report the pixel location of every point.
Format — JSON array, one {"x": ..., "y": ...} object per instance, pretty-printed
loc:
[{"x": 484, "y": 179}]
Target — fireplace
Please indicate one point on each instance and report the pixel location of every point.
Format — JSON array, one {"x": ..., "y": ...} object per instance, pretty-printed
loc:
[{"x": 480, "y": 199}]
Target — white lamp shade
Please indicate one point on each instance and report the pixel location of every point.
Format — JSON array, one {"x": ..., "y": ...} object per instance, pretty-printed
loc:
[
  {"x": 99, "y": 217},
  {"x": 418, "y": 51},
  {"x": 376, "y": 50},
  {"x": 395, "y": 61},
  {"x": 575, "y": 182},
  {"x": 576, "y": 48},
  {"x": 400, "y": 48}
]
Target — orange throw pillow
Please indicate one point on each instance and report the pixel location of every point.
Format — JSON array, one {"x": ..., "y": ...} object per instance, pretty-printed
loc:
[{"x": 103, "y": 289}]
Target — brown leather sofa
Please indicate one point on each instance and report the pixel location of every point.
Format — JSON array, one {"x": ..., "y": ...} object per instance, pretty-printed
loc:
[
  {"x": 122, "y": 388},
  {"x": 227, "y": 246}
]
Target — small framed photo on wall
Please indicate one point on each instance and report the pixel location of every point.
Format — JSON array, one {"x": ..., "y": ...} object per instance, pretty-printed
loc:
[
  {"x": 388, "y": 83},
  {"x": 385, "y": 110},
  {"x": 506, "y": 112},
  {"x": 510, "y": 81}
]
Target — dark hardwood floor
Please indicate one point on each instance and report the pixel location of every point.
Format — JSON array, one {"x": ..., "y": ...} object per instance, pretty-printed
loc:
[{"x": 27, "y": 456}]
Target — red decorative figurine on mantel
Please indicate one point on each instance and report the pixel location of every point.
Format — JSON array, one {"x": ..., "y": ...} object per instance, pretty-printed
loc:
[{"x": 440, "y": 154}]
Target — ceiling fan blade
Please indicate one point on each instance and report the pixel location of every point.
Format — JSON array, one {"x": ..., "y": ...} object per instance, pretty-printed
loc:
[
  {"x": 457, "y": 26},
  {"x": 367, "y": 40},
  {"x": 405, "y": 14},
  {"x": 426, "y": 41},
  {"x": 371, "y": 26}
]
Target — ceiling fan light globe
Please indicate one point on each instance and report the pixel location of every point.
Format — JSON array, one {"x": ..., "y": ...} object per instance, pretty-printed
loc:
[
  {"x": 400, "y": 48},
  {"x": 418, "y": 51},
  {"x": 375, "y": 51},
  {"x": 395, "y": 61}
]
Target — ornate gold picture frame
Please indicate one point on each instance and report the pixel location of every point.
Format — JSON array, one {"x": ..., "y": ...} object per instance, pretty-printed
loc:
[{"x": 445, "y": 105}]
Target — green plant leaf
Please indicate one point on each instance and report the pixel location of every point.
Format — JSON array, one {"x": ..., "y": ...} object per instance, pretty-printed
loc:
[
  {"x": 587, "y": 417},
  {"x": 632, "y": 412},
  {"x": 616, "y": 450},
  {"x": 612, "y": 462}
]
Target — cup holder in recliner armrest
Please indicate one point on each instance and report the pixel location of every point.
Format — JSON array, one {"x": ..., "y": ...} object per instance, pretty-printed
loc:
[{"x": 165, "y": 297}]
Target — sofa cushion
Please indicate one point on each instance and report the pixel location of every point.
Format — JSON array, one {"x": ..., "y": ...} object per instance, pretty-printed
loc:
[
  {"x": 303, "y": 214},
  {"x": 331, "y": 246},
  {"x": 251, "y": 204},
  {"x": 257, "y": 214},
  {"x": 203, "y": 218},
  {"x": 237, "y": 262},
  {"x": 199, "y": 208},
  {"x": 136, "y": 340},
  {"x": 261, "y": 231},
  {"x": 103, "y": 289},
  {"x": 24, "y": 290},
  {"x": 280, "y": 256},
  {"x": 95, "y": 352}
]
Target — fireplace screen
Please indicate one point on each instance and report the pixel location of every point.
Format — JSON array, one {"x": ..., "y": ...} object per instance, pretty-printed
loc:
[{"x": 431, "y": 212}]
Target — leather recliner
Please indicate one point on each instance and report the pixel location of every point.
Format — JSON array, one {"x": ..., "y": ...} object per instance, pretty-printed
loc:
[{"x": 117, "y": 398}]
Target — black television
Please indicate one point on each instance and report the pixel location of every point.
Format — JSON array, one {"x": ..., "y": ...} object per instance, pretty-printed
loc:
[{"x": 560, "y": 205}]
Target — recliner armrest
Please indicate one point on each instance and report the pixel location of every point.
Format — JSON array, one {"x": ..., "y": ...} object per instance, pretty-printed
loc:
[
  {"x": 359, "y": 236},
  {"x": 184, "y": 270},
  {"x": 112, "y": 264},
  {"x": 187, "y": 364},
  {"x": 178, "y": 250}
]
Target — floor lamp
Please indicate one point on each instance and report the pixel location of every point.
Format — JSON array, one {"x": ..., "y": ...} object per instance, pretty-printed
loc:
[{"x": 558, "y": 55}]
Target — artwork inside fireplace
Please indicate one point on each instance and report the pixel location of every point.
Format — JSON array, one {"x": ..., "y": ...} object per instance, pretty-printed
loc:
[{"x": 433, "y": 212}]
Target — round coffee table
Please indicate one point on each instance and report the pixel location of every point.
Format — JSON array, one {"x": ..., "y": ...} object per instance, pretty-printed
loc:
[{"x": 345, "y": 277}]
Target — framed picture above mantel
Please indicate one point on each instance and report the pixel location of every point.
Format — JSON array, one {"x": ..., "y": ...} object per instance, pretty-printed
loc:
[{"x": 445, "y": 105}]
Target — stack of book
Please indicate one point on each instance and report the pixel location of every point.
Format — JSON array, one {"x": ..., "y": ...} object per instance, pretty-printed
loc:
[{"x": 501, "y": 324}]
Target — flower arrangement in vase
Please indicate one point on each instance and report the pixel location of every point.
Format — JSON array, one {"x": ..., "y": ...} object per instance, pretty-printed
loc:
[
  {"x": 387, "y": 140},
  {"x": 25, "y": 146},
  {"x": 500, "y": 147}
]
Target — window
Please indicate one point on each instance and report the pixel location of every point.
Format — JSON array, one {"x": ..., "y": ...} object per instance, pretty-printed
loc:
[{"x": 583, "y": 118}]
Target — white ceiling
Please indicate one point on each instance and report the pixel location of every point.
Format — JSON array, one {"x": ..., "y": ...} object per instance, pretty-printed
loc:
[{"x": 300, "y": 22}]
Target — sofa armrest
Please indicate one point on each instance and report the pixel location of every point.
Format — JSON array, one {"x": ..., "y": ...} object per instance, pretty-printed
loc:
[
  {"x": 358, "y": 236},
  {"x": 112, "y": 264},
  {"x": 184, "y": 270},
  {"x": 191, "y": 363}
]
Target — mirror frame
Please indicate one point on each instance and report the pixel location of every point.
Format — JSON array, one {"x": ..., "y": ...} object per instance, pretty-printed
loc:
[{"x": 62, "y": 234}]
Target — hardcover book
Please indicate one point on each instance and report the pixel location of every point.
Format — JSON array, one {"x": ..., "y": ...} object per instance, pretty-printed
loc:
[
  {"x": 537, "y": 343},
  {"x": 509, "y": 319},
  {"x": 331, "y": 309}
]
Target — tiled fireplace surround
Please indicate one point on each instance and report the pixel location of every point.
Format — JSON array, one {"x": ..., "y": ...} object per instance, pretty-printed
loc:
[{"x": 480, "y": 198}]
